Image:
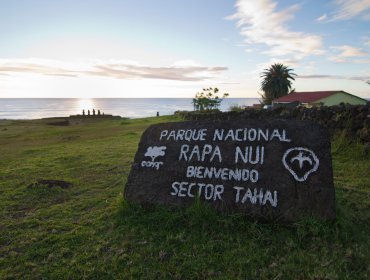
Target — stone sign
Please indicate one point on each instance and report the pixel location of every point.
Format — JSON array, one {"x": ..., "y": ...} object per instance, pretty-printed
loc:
[{"x": 273, "y": 169}]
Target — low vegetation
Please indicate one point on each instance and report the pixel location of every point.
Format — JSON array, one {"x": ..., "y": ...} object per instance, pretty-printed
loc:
[
  {"x": 87, "y": 230},
  {"x": 208, "y": 99},
  {"x": 237, "y": 108}
]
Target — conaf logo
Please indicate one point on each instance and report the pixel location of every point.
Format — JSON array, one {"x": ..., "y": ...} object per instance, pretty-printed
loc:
[{"x": 155, "y": 151}]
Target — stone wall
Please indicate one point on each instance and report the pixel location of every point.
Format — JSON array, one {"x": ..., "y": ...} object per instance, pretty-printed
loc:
[{"x": 354, "y": 120}]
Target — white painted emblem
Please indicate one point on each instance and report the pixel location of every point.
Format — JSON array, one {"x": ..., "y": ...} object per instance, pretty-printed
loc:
[
  {"x": 153, "y": 153},
  {"x": 300, "y": 162}
]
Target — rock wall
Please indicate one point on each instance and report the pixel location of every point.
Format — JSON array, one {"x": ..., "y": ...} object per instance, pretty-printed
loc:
[{"x": 354, "y": 120}]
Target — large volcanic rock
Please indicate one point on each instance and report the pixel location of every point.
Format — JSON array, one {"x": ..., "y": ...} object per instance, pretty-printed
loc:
[{"x": 274, "y": 169}]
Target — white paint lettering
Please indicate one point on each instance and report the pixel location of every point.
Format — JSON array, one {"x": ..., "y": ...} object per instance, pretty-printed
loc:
[
  {"x": 245, "y": 174},
  {"x": 225, "y": 174},
  {"x": 189, "y": 190},
  {"x": 237, "y": 196},
  {"x": 268, "y": 197},
  {"x": 195, "y": 152},
  {"x": 200, "y": 153},
  {"x": 208, "y": 191},
  {"x": 163, "y": 134},
  {"x": 190, "y": 171},
  {"x": 182, "y": 189},
  {"x": 236, "y": 174},
  {"x": 262, "y": 134},
  {"x": 219, "y": 189},
  {"x": 180, "y": 135},
  {"x": 151, "y": 164},
  {"x": 284, "y": 138},
  {"x": 172, "y": 135},
  {"x": 201, "y": 185},
  {"x": 257, "y": 155},
  {"x": 218, "y": 135},
  {"x": 252, "y": 134},
  {"x": 275, "y": 199},
  {"x": 189, "y": 135},
  {"x": 230, "y": 134},
  {"x": 207, "y": 149},
  {"x": 216, "y": 152},
  {"x": 252, "y": 155},
  {"x": 254, "y": 175},
  {"x": 258, "y": 196},
  {"x": 200, "y": 172},
  {"x": 175, "y": 189},
  {"x": 237, "y": 136},
  {"x": 275, "y": 134},
  {"x": 203, "y": 134},
  {"x": 186, "y": 189},
  {"x": 183, "y": 150},
  {"x": 248, "y": 194},
  {"x": 239, "y": 153}
]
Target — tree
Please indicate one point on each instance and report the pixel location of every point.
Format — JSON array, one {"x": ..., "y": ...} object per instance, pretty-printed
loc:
[
  {"x": 208, "y": 99},
  {"x": 276, "y": 82},
  {"x": 155, "y": 152}
]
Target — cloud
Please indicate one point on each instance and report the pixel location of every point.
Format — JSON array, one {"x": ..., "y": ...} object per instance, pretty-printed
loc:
[
  {"x": 260, "y": 23},
  {"x": 361, "y": 61},
  {"x": 346, "y": 52},
  {"x": 7, "y": 67},
  {"x": 322, "y": 18},
  {"x": 337, "y": 77},
  {"x": 122, "y": 71},
  {"x": 349, "y": 51},
  {"x": 367, "y": 42},
  {"x": 337, "y": 59},
  {"x": 287, "y": 62},
  {"x": 187, "y": 72},
  {"x": 229, "y": 83},
  {"x": 260, "y": 67},
  {"x": 348, "y": 9}
]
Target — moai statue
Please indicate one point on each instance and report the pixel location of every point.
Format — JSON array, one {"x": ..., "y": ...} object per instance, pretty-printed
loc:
[
  {"x": 88, "y": 112},
  {"x": 98, "y": 112},
  {"x": 83, "y": 112},
  {"x": 157, "y": 114},
  {"x": 93, "y": 112}
]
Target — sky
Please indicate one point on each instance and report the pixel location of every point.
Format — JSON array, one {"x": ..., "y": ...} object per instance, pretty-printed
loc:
[{"x": 174, "y": 48}]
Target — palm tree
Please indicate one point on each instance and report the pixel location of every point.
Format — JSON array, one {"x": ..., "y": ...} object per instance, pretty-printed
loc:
[{"x": 276, "y": 82}]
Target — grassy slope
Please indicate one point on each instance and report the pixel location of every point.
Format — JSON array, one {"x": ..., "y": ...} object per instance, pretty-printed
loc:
[{"x": 89, "y": 231}]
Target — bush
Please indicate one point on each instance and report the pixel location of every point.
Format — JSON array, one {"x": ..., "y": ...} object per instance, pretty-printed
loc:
[
  {"x": 236, "y": 108},
  {"x": 208, "y": 99}
]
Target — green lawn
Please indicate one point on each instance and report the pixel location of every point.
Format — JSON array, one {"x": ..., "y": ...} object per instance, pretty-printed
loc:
[{"x": 88, "y": 231}]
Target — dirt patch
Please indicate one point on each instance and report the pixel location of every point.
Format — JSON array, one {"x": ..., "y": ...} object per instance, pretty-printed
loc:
[
  {"x": 51, "y": 184},
  {"x": 59, "y": 123},
  {"x": 70, "y": 138}
]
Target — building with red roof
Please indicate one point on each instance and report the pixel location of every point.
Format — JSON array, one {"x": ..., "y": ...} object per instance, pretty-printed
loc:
[{"x": 319, "y": 98}]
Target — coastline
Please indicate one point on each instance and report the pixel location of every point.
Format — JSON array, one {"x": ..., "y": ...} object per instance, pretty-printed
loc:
[{"x": 126, "y": 107}]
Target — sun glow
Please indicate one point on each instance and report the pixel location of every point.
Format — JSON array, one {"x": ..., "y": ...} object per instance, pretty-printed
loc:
[{"x": 85, "y": 104}]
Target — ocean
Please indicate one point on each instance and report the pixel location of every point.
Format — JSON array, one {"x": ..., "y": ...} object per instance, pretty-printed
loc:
[{"x": 36, "y": 108}]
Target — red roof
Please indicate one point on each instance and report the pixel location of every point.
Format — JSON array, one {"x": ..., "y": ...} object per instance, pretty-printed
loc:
[{"x": 305, "y": 97}]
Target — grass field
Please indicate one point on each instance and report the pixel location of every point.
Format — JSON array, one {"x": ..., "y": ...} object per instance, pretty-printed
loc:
[{"x": 88, "y": 231}]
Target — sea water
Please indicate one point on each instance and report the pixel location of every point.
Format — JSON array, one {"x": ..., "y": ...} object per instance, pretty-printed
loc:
[{"x": 35, "y": 108}]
